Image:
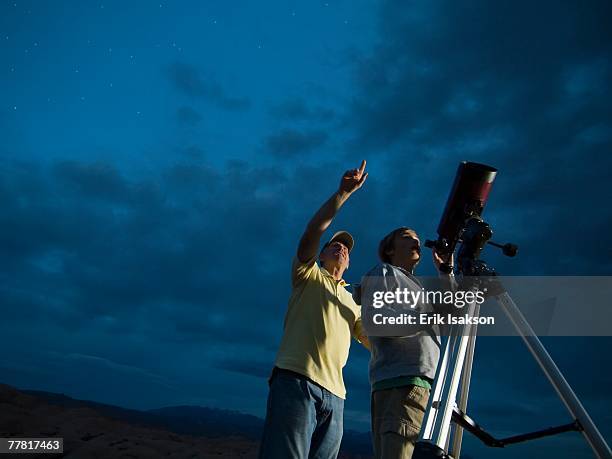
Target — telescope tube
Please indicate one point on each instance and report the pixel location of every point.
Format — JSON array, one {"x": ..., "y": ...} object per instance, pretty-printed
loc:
[{"x": 467, "y": 199}]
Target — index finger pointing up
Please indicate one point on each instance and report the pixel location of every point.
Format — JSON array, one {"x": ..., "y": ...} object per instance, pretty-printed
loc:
[{"x": 362, "y": 167}]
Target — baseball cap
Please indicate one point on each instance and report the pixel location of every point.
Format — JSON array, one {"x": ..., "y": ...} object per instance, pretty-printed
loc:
[{"x": 344, "y": 237}]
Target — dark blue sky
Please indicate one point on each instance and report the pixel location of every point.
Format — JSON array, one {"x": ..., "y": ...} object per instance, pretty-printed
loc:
[{"x": 160, "y": 160}]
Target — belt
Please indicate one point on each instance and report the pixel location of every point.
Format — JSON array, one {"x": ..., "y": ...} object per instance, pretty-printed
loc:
[{"x": 283, "y": 371}]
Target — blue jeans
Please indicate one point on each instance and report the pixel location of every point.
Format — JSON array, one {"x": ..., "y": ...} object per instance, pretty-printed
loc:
[{"x": 303, "y": 420}]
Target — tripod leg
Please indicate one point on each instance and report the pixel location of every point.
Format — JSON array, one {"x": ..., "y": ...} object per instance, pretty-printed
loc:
[
  {"x": 465, "y": 386},
  {"x": 436, "y": 393},
  {"x": 440, "y": 409},
  {"x": 554, "y": 375}
]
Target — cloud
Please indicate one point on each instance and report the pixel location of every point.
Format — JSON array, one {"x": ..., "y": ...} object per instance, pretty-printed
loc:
[
  {"x": 187, "y": 79},
  {"x": 86, "y": 245},
  {"x": 173, "y": 273},
  {"x": 292, "y": 143},
  {"x": 299, "y": 110},
  {"x": 191, "y": 152},
  {"x": 247, "y": 367},
  {"x": 188, "y": 116},
  {"x": 100, "y": 181},
  {"x": 518, "y": 87}
]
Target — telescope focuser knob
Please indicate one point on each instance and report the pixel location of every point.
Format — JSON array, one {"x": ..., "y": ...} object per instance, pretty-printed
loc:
[{"x": 510, "y": 250}]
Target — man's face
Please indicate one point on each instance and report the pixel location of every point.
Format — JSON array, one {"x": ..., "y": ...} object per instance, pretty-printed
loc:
[
  {"x": 336, "y": 253},
  {"x": 407, "y": 244}
]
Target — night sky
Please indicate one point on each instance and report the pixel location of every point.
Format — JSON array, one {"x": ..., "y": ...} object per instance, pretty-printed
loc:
[{"x": 159, "y": 162}]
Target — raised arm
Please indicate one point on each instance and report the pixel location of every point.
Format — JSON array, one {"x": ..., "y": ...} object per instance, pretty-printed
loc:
[{"x": 351, "y": 181}]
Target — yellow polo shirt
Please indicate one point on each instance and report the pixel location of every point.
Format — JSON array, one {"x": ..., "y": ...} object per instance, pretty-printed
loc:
[{"x": 320, "y": 320}]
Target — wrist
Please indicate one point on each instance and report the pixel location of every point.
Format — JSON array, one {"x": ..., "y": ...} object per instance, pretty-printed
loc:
[{"x": 343, "y": 194}]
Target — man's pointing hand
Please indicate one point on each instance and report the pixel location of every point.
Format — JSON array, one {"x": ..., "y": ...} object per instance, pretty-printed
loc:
[{"x": 353, "y": 179}]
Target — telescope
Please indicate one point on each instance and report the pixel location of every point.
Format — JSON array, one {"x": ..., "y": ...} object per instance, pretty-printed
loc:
[{"x": 461, "y": 221}]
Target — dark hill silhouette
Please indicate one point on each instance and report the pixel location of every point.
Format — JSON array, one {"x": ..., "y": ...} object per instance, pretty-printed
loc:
[{"x": 92, "y": 429}]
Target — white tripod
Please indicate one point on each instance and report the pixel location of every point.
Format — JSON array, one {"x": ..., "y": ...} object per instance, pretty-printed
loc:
[{"x": 456, "y": 366}]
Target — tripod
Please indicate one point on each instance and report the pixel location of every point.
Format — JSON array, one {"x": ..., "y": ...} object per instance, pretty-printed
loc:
[{"x": 455, "y": 368}]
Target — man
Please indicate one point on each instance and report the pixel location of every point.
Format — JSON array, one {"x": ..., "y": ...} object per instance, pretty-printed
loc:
[
  {"x": 305, "y": 405},
  {"x": 401, "y": 368}
]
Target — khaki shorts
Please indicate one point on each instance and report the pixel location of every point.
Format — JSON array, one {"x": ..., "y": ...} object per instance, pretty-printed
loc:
[{"x": 397, "y": 415}]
